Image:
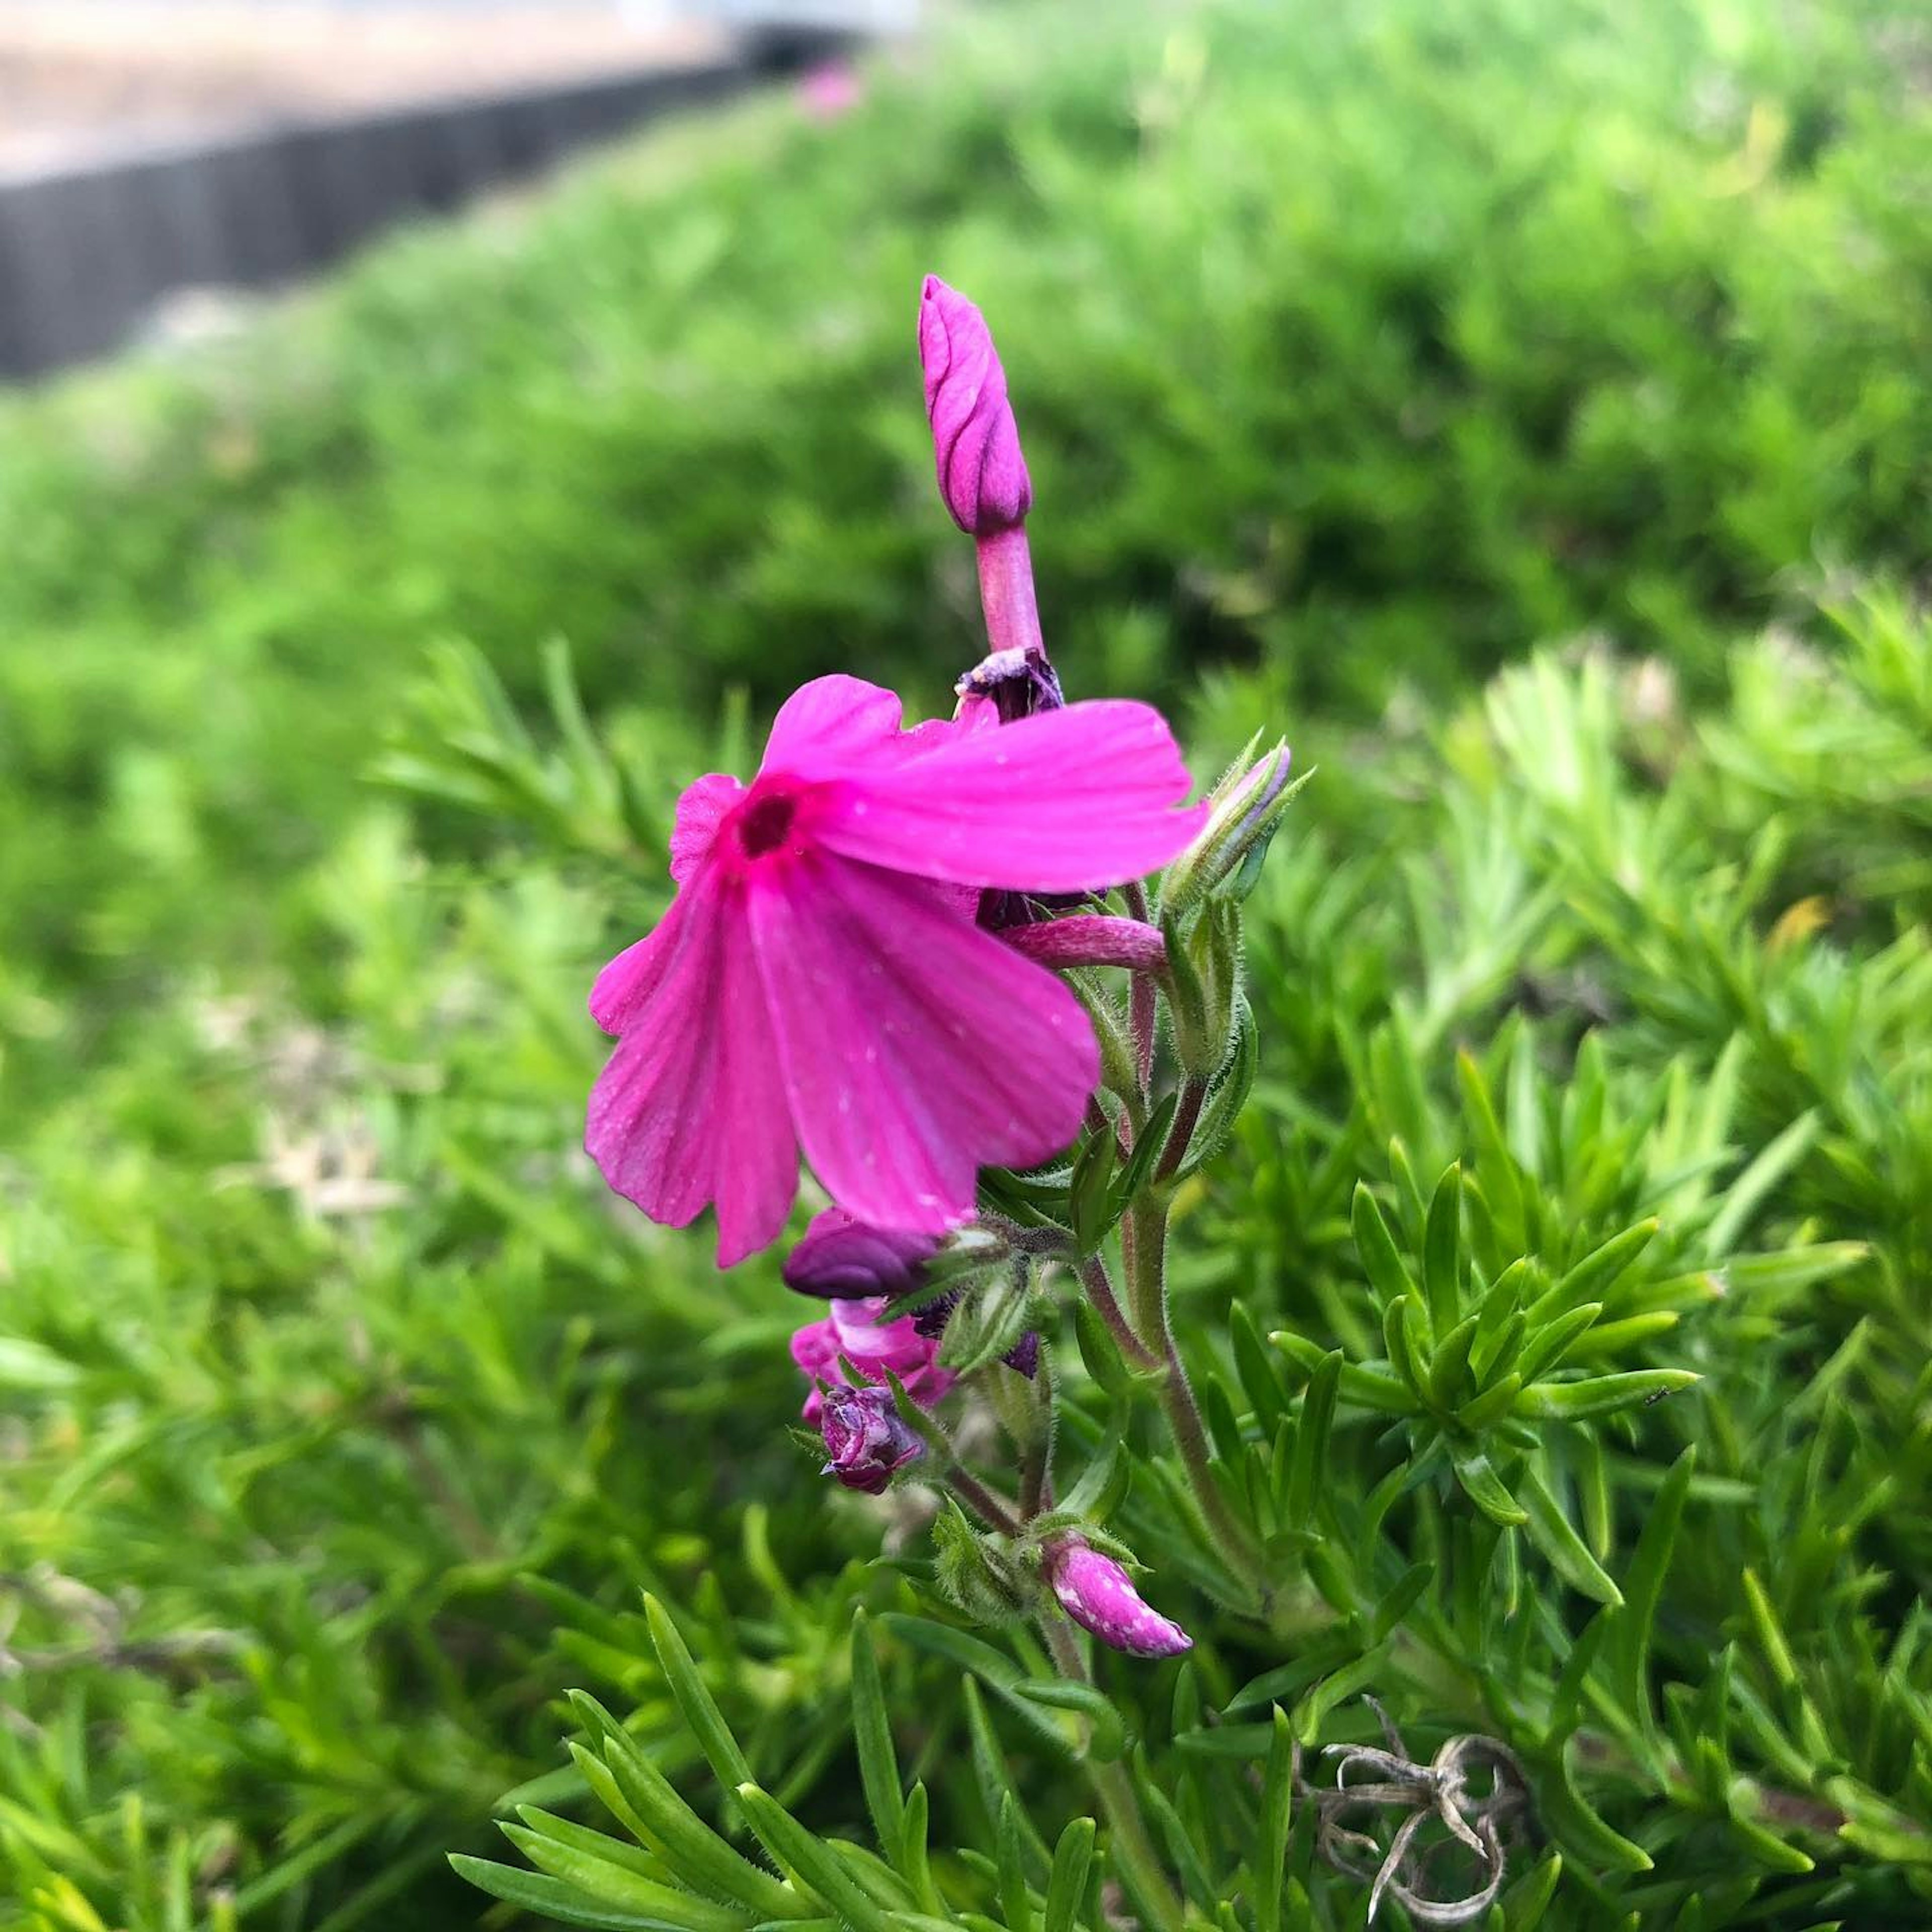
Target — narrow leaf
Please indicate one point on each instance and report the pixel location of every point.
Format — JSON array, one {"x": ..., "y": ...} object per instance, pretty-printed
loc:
[
  {"x": 1594, "y": 1273},
  {"x": 551, "y": 1898},
  {"x": 995, "y": 1781},
  {"x": 1066, "y": 1889},
  {"x": 1311, "y": 1440},
  {"x": 1388, "y": 1273},
  {"x": 1107, "y": 1732},
  {"x": 1553, "y": 1534},
  {"x": 1548, "y": 1344},
  {"x": 1600, "y": 1395},
  {"x": 1752, "y": 1187},
  {"x": 1367, "y": 1388},
  {"x": 1015, "y": 1897},
  {"x": 1359, "y": 1675},
  {"x": 1581, "y": 1831},
  {"x": 878, "y": 1763},
  {"x": 1484, "y": 1487},
  {"x": 1441, "y": 1254},
  {"x": 811, "y": 1861},
  {"x": 603, "y": 1881},
  {"x": 1643, "y": 1588},
  {"x": 1261, "y": 1379},
  {"x": 700, "y": 1710},
  {"x": 1271, "y": 1846}
]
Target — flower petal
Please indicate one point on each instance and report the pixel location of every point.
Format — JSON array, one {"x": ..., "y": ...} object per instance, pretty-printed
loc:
[
  {"x": 643, "y": 1125},
  {"x": 701, "y": 809},
  {"x": 975, "y": 444},
  {"x": 1088, "y": 939},
  {"x": 915, "y": 1048},
  {"x": 834, "y": 726},
  {"x": 629, "y": 981},
  {"x": 754, "y": 1162},
  {"x": 830, "y": 726},
  {"x": 1064, "y": 801},
  {"x": 690, "y": 1109}
]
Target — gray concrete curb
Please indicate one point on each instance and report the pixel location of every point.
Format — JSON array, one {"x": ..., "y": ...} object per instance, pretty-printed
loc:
[{"x": 87, "y": 252}]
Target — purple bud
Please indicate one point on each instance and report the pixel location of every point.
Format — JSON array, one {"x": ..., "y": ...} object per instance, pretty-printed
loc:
[
  {"x": 841, "y": 1259},
  {"x": 861, "y": 1333},
  {"x": 865, "y": 1438},
  {"x": 1024, "y": 1355},
  {"x": 976, "y": 443},
  {"x": 1099, "y": 1596}
]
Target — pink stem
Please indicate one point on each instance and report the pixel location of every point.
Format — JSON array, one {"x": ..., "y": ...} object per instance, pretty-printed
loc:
[{"x": 1006, "y": 591}]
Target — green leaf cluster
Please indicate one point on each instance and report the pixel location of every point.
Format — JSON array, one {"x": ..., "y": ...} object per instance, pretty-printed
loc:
[{"x": 1584, "y": 1039}]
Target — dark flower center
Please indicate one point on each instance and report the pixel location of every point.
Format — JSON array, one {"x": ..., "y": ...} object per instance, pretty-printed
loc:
[{"x": 764, "y": 823}]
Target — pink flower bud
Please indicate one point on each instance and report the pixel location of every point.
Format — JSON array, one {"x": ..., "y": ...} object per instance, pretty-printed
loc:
[
  {"x": 976, "y": 443},
  {"x": 865, "y": 1438},
  {"x": 855, "y": 1330},
  {"x": 841, "y": 1258},
  {"x": 1091, "y": 939},
  {"x": 1099, "y": 1596}
]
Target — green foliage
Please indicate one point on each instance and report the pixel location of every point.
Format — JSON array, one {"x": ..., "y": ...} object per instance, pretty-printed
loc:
[
  {"x": 1584, "y": 1027},
  {"x": 1394, "y": 337}
]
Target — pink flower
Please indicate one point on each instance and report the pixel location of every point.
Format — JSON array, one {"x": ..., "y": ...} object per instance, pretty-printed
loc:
[
  {"x": 818, "y": 981},
  {"x": 976, "y": 443},
  {"x": 865, "y": 1440},
  {"x": 830, "y": 90},
  {"x": 853, "y": 1329},
  {"x": 1099, "y": 1596}
]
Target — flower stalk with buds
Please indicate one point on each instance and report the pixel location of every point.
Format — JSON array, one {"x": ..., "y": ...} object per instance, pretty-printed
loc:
[{"x": 896, "y": 954}]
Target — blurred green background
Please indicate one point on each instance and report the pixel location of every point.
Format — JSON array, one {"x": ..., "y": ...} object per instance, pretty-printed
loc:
[{"x": 1357, "y": 353}]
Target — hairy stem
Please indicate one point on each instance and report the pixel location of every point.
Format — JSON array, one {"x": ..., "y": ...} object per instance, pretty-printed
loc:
[
  {"x": 1180, "y": 1135},
  {"x": 1007, "y": 592},
  {"x": 1036, "y": 1468},
  {"x": 1139, "y": 1865},
  {"x": 1147, "y": 1301},
  {"x": 995, "y": 1509},
  {"x": 1141, "y": 1009},
  {"x": 1100, "y": 1286}
]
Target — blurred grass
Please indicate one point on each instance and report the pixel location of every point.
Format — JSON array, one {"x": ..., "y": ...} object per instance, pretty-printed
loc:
[
  {"x": 1372, "y": 346},
  {"x": 1354, "y": 353}
]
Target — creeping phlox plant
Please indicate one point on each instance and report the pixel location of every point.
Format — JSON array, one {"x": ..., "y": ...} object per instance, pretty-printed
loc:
[
  {"x": 889, "y": 951},
  {"x": 981, "y": 977}
]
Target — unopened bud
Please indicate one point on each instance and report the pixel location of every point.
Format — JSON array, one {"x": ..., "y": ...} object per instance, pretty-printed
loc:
[
  {"x": 976, "y": 1572},
  {"x": 865, "y": 1437},
  {"x": 1099, "y": 1596},
  {"x": 1244, "y": 811},
  {"x": 1092, "y": 939},
  {"x": 1203, "y": 959},
  {"x": 861, "y": 1334},
  {"x": 976, "y": 443},
  {"x": 842, "y": 1259}
]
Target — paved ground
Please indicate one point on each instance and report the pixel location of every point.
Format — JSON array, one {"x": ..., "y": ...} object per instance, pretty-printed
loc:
[{"x": 83, "y": 79}]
